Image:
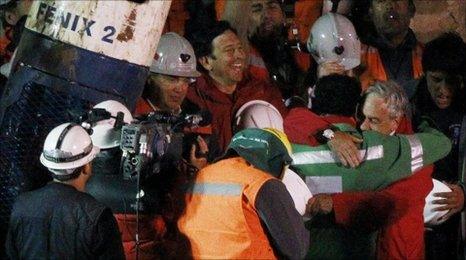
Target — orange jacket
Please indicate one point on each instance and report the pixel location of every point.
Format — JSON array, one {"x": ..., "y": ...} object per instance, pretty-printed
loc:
[
  {"x": 305, "y": 14},
  {"x": 176, "y": 18},
  {"x": 374, "y": 69},
  {"x": 221, "y": 221}
]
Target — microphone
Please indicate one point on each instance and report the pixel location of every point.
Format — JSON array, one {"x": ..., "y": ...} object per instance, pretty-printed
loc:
[
  {"x": 203, "y": 118},
  {"x": 163, "y": 117}
]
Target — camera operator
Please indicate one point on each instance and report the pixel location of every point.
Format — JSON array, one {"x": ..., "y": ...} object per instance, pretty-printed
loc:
[
  {"x": 172, "y": 71},
  {"x": 151, "y": 179}
]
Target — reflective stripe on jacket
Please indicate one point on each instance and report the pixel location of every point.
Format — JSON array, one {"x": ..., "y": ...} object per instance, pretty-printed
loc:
[
  {"x": 221, "y": 221},
  {"x": 396, "y": 156}
]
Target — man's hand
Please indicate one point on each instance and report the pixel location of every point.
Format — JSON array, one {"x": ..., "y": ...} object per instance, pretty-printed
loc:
[
  {"x": 319, "y": 204},
  {"x": 344, "y": 146},
  {"x": 201, "y": 161},
  {"x": 452, "y": 201},
  {"x": 330, "y": 67}
]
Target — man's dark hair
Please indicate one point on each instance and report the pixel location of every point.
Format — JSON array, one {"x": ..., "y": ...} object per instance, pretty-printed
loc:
[
  {"x": 201, "y": 36},
  {"x": 447, "y": 53},
  {"x": 336, "y": 94}
]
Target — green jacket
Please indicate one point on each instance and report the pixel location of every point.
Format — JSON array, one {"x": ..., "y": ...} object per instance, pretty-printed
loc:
[{"x": 386, "y": 160}]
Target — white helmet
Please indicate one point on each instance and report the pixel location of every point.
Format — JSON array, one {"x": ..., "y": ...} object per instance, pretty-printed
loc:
[
  {"x": 104, "y": 133},
  {"x": 175, "y": 57},
  {"x": 333, "y": 38},
  {"x": 258, "y": 114},
  {"x": 344, "y": 6},
  {"x": 68, "y": 146},
  {"x": 298, "y": 190},
  {"x": 432, "y": 218}
]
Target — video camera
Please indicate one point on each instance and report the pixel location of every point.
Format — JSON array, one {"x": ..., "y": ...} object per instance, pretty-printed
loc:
[
  {"x": 144, "y": 141},
  {"x": 148, "y": 140}
]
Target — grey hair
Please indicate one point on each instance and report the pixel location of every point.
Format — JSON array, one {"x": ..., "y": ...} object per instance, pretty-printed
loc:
[{"x": 394, "y": 96}]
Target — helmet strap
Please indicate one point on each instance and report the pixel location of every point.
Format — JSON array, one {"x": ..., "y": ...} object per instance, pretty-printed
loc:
[{"x": 63, "y": 134}]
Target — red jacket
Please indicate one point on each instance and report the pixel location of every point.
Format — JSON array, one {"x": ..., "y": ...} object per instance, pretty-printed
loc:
[
  {"x": 397, "y": 209},
  {"x": 301, "y": 124},
  {"x": 223, "y": 107}
]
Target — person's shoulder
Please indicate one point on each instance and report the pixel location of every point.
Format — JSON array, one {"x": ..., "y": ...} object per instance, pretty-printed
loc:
[
  {"x": 250, "y": 81},
  {"x": 92, "y": 208},
  {"x": 27, "y": 197},
  {"x": 202, "y": 82}
]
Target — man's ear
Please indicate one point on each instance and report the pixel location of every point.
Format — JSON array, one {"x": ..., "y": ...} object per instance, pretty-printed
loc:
[
  {"x": 396, "y": 122},
  {"x": 87, "y": 169},
  {"x": 206, "y": 62}
]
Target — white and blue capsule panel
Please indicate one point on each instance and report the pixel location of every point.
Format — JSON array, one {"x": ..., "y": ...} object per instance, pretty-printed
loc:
[{"x": 123, "y": 30}]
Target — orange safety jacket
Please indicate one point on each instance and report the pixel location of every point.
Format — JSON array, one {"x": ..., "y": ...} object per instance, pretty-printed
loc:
[
  {"x": 373, "y": 69},
  {"x": 220, "y": 220}
]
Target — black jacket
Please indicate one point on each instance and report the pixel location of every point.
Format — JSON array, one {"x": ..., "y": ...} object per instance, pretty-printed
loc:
[{"x": 60, "y": 222}]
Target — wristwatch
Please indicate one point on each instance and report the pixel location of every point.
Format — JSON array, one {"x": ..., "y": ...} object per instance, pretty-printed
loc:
[{"x": 329, "y": 134}]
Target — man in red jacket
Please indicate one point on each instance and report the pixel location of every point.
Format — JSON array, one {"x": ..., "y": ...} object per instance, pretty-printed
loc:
[
  {"x": 223, "y": 88},
  {"x": 397, "y": 210}
]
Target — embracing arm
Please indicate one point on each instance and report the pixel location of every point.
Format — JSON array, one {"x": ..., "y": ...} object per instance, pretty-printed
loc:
[{"x": 284, "y": 224}]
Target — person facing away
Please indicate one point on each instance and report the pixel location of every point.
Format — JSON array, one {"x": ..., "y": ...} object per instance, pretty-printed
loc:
[
  {"x": 238, "y": 208},
  {"x": 60, "y": 221}
]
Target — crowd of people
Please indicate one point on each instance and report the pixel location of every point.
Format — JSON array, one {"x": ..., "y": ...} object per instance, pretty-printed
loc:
[{"x": 321, "y": 144}]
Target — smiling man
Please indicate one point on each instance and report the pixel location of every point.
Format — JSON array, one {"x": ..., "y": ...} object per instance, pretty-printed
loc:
[{"x": 224, "y": 86}]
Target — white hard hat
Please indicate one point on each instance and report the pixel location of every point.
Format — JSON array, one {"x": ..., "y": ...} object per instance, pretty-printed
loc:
[
  {"x": 104, "y": 133},
  {"x": 68, "y": 146},
  {"x": 258, "y": 114},
  {"x": 432, "y": 218},
  {"x": 175, "y": 57},
  {"x": 298, "y": 190},
  {"x": 333, "y": 38},
  {"x": 344, "y": 6}
]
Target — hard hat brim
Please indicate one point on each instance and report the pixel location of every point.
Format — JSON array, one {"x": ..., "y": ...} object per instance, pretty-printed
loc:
[
  {"x": 194, "y": 74},
  {"x": 254, "y": 102},
  {"x": 298, "y": 190},
  {"x": 70, "y": 165}
]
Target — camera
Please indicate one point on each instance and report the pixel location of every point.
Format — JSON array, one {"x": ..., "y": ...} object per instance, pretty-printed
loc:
[{"x": 145, "y": 142}]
